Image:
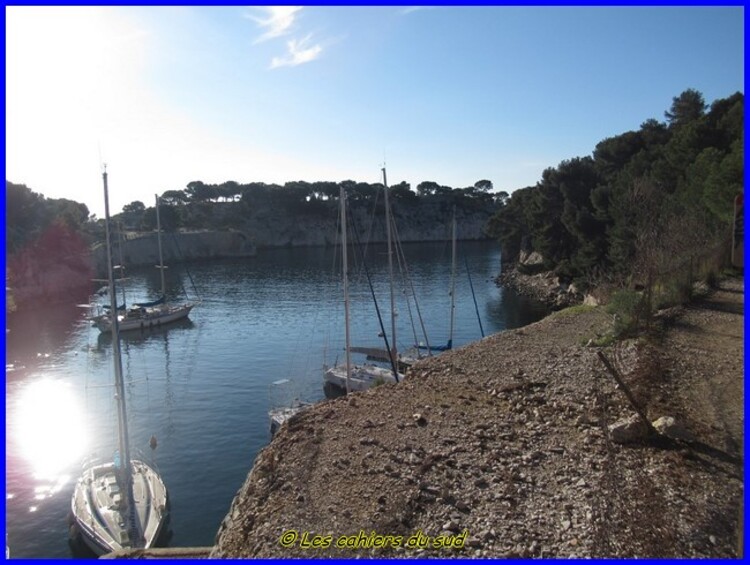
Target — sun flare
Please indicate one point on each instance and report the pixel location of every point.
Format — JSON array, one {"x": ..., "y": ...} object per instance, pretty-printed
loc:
[{"x": 49, "y": 428}]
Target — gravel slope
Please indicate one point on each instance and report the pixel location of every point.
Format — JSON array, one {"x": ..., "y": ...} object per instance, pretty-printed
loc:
[{"x": 506, "y": 440}]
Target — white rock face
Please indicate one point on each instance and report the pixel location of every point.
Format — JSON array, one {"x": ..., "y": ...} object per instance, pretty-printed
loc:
[{"x": 533, "y": 258}]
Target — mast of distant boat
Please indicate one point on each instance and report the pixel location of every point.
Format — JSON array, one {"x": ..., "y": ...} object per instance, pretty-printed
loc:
[
  {"x": 453, "y": 280},
  {"x": 345, "y": 267},
  {"x": 161, "y": 257},
  {"x": 394, "y": 350},
  {"x": 121, "y": 266}
]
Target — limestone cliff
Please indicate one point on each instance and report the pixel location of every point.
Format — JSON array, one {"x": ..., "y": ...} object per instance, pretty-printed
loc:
[
  {"x": 58, "y": 263},
  {"x": 414, "y": 223},
  {"x": 265, "y": 227},
  {"x": 142, "y": 249}
]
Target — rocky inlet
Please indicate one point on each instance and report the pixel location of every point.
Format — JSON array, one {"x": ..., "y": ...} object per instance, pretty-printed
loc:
[{"x": 506, "y": 444}]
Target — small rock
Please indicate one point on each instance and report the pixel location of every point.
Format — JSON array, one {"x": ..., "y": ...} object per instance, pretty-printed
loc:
[
  {"x": 419, "y": 419},
  {"x": 486, "y": 535},
  {"x": 462, "y": 506},
  {"x": 668, "y": 426},
  {"x": 589, "y": 300},
  {"x": 566, "y": 525},
  {"x": 629, "y": 430},
  {"x": 451, "y": 526},
  {"x": 429, "y": 489}
]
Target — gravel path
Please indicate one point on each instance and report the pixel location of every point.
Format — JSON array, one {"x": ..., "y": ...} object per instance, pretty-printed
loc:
[{"x": 502, "y": 447}]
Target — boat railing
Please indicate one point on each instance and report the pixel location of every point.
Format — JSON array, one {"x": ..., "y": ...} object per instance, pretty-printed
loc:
[{"x": 138, "y": 454}]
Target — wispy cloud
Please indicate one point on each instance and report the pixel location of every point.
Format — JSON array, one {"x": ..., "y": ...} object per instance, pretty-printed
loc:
[
  {"x": 411, "y": 9},
  {"x": 298, "y": 52},
  {"x": 275, "y": 20}
]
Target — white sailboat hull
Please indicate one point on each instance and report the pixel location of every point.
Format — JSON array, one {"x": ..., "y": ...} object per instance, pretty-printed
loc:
[
  {"x": 145, "y": 318},
  {"x": 363, "y": 377},
  {"x": 280, "y": 415},
  {"x": 99, "y": 508}
]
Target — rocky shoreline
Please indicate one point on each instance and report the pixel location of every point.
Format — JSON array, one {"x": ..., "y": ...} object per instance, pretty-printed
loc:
[
  {"x": 544, "y": 287},
  {"x": 503, "y": 448}
]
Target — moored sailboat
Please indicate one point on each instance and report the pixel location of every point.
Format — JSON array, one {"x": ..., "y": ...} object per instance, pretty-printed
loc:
[
  {"x": 284, "y": 404},
  {"x": 148, "y": 315},
  {"x": 349, "y": 377},
  {"x": 122, "y": 503}
]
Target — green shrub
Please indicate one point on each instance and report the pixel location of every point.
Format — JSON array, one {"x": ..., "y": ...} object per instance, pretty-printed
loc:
[
  {"x": 673, "y": 293},
  {"x": 629, "y": 309}
]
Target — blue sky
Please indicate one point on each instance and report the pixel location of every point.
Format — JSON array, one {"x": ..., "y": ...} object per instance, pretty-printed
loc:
[{"x": 168, "y": 95}]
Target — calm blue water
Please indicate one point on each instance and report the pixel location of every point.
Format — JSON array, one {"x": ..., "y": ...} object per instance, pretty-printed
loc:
[{"x": 203, "y": 386}]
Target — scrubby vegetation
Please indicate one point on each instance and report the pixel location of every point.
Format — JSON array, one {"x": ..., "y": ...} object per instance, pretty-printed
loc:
[{"x": 650, "y": 210}]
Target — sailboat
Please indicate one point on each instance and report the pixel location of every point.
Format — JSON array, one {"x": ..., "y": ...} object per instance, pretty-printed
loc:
[
  {"x": 362, "y": 377},
  {"x": 122, "y": 503},
  {"x": 284, "y": 403},
  {"x": 148, "y": 315}
]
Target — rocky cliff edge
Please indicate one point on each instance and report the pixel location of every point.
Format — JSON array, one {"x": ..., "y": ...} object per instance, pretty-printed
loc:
[{"x": 503, "y": 449}]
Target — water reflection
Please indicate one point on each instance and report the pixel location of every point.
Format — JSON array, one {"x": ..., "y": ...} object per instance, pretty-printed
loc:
[
  {"x": 48, "y": 428},
  {"x": 104, "y": 341},
  {"x": 511, "y": 310},
  {"x": 34, "y": 334}
]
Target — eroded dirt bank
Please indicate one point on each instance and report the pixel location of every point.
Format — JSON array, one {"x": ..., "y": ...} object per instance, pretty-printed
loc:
[{"x": 506, "y": 439}]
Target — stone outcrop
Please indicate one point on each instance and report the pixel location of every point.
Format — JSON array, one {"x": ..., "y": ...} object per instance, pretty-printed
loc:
[
  {"x": 418, "y": 223},
  {"x": 142, "y": 249},
  {"x": 544, "y": 287},
  {"x": 60, "y": 263},
  {"x": 264, "y": 227}
]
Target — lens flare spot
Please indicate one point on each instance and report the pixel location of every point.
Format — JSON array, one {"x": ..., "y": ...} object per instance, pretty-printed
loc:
[{"x": 49, "y": 428}]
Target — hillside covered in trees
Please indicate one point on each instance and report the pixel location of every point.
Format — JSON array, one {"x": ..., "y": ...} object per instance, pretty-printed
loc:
[
  {"x": 644, "y": 202},
  {"x": 232, "y": 205},
  {"x": 50, "y": 237},
  {"x": 228, "y": 205}
]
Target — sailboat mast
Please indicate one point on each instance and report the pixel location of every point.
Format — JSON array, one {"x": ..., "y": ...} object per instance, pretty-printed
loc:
[
  {"x": 393, "y": 352},
  {"x": 121, "y": 262},
  {"x": 158, "y": 239},
  {"x": 345, "y": 268},
  {"x": 122, "y": 417},
  {"x": 453, "y": 279}
]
